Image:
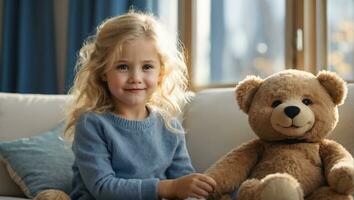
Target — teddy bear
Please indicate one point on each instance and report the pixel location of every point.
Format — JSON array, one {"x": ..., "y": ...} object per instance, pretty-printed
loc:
[
  {"x": 291, "y": 112},
  {"x": 51, "y": 194}
]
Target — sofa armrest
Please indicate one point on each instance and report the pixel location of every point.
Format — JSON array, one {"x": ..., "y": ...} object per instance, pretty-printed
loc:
[
  {"x": 25, "y": 115},
  {"x": 7, "y": 186}
]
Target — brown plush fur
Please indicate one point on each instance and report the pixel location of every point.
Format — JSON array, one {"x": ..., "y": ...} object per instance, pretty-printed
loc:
[
  {"x": 291, "y": 112},
  {"x": 51, "y": 194}
]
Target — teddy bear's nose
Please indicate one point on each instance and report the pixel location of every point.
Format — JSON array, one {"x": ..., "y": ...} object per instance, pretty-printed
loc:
[{"x": 291, "y": 111}]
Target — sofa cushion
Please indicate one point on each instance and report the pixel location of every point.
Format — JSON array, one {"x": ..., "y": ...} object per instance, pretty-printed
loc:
[
  {"x": 343, "y": 133},
  {"x": 25, "y": 115},
  {"x": 214, "y": 125},
  {"x": 12, "y": 198},
  {"x": 39, "y": 162}
]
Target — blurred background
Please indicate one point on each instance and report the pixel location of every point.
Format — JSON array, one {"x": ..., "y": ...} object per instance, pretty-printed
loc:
[{"x": 224, "y": 40}]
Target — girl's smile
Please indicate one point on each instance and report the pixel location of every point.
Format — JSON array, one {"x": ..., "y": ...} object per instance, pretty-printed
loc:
[{"x": 134, "y": 89}]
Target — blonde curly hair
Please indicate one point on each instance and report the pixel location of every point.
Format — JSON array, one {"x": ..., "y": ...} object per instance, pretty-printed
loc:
[{"x": 90, "y": 92}]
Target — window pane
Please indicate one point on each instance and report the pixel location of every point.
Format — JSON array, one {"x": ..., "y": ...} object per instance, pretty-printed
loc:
[
  {"x": 167, "y": 12},
  {"x": 237, "y": 38},
  {"x": 341, "y": 37}
]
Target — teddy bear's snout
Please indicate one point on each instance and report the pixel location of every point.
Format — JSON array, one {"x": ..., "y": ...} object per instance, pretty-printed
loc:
[
  {"x": 291, "y": 111},
  {"x": 292, "y": 118}
]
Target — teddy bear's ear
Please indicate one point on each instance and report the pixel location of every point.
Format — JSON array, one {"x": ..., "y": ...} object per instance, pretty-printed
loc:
[
  {"x": 334, "y": 85},
  {"x": 246, "y": 90}
]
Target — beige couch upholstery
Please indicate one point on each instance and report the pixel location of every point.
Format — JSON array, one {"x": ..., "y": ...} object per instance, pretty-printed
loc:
[{"x": 213, "y": 122}]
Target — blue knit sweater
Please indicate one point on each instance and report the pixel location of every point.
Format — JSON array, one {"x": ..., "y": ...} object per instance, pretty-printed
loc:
[{"x": 117, "y": 158}]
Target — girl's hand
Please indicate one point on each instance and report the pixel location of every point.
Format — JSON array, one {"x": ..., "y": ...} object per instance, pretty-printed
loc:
[{"x": 194, "y": 185}]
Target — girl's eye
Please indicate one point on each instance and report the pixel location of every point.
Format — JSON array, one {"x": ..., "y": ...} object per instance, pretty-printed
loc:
[
  {"x": 276, "y": 103},
  {"x": 122, "y": 67},
  {"x": 147, "y": 67},
  {"x": 307, "y": 102}
]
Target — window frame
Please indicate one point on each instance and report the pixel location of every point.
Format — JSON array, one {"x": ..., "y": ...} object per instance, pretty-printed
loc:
[{"x": 306, "y": 37}]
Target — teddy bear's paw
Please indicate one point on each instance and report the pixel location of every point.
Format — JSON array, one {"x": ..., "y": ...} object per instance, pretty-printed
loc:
[
  {"x": 326, "y": 193},
  {"x": 280, "y": 187},
  {"x": 52, "y": 194},
  {"x": 341, "y": 179}
]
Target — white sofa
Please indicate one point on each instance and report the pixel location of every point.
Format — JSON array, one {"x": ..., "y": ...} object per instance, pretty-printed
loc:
[{"x": 213, "y": 122}]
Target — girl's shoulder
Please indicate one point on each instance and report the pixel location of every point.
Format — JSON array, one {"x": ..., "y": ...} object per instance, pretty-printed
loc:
[
  {"x": 92, "y": 117},
  {"x": 171, "y": 123},
  {"x": 89, "y": 115},
  {"x": 176, "y": 123}
]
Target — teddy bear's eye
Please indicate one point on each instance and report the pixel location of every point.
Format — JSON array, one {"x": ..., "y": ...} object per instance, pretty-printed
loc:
[
  {"x": 307, "y": 102},
  {"x": 276, "y": 103}
]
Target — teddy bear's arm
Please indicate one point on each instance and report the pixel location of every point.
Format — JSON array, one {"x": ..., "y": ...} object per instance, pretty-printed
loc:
[
  {"x": 233, "y": 168},
  {"x": 338, "y": 166}
]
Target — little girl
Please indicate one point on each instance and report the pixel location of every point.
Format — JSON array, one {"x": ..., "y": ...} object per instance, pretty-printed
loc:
[{"x": 127, "y": 92}]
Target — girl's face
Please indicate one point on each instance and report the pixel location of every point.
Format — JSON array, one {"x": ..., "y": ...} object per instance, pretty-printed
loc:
[{"x": 134, "y": 77}]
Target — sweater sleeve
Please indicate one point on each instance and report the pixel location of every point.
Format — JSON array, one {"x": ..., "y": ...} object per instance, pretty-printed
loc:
[
  {"x": 181, "y": 164},
  {"x": 93, "y": 160}
]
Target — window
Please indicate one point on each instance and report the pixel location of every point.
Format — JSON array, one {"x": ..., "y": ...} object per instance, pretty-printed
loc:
[
  {"x": 237, "y": 38},
  {"x": 341, "y": 37},
  {"x": 167, "y": 12}
]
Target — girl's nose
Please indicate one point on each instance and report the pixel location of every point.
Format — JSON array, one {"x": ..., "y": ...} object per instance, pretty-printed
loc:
[{"x": 135, "y": 76}]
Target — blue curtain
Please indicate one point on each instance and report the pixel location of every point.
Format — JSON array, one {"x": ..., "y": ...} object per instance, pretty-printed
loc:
[
  {"x": 28, "y": 47},
  {"x": 86, "y": 15}
]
